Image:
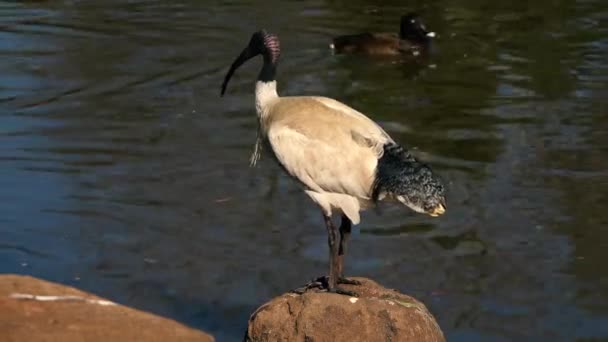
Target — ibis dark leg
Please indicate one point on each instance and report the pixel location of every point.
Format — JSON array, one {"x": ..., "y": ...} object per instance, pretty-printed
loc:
[
  {"x": 345, "y": 229},
  {"x": 334, "y": 262},
  {"x": 330, "y": 283},
  {"x": 334, "y": 266}
]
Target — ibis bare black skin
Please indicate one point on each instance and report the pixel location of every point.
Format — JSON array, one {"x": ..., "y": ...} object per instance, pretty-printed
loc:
[
  {"x": 413, "y": 39},
  {"x": 344, "y": 160},
  {"x": 261, "y": 43}
]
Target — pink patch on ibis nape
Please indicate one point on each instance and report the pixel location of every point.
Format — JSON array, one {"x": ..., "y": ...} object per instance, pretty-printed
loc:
[{"x": 271, "y": 42}]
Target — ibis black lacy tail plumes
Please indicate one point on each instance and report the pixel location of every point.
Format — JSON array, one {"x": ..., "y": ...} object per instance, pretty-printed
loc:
[{"x": 401, "y": 176}]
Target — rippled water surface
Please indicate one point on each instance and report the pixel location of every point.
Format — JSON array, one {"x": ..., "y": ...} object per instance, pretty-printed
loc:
[{"x": 123, "y": 172}]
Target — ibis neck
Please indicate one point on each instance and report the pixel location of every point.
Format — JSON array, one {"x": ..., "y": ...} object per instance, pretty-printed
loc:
[
  {"x": 266, "y": 87},
  {"x": 265, "y": 93},
  {"x": 269, "y": 70}
]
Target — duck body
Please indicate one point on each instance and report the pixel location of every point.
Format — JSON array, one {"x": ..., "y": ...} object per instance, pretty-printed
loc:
[{"x": 388, "y": 44}]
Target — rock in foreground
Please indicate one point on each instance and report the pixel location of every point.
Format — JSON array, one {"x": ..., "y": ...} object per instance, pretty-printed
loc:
[
  {"x": 379, "y": 314},
  {"x": 36, "y": 310}
]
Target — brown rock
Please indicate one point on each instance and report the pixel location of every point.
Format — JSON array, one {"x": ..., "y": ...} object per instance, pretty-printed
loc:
[
  {"x": 66, "y": 314},
  {"x": 379, "y": 314}
]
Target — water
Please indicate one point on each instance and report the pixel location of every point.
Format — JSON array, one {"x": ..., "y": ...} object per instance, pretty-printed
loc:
[{"x": 122, "y": 172}]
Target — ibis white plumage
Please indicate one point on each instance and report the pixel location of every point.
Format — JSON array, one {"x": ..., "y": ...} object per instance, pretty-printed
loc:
[{"x": 344, "y": 160}]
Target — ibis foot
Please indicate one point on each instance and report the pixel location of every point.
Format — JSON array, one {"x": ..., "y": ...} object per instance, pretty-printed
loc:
[
  {"x": 322, "y": 284},
  {"x": 312, "y": 285},
  {"x": 343, "y": 280},
  {"x": 342, "y": 292}
]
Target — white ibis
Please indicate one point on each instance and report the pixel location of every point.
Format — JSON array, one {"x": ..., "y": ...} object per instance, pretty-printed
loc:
[
  {"x": 413, "y": 39},
  {"x": 344, "y": 160}
]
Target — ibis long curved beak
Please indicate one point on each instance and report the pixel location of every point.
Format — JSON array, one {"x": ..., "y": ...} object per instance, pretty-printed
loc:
[{"x": 242, "y": 58}]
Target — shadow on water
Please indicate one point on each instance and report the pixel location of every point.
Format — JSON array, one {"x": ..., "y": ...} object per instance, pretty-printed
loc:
[{"x": 124, "y": 174}]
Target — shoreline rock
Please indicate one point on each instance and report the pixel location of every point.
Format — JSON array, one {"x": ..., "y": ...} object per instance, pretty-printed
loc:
[
  {"x": 378, "y": 314},
  {"x": 32, "y": 309}
]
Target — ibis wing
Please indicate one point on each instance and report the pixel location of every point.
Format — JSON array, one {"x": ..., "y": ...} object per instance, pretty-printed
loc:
[
  {"x": 362, "y": 128},
  {"x": 342, "y": 166}
]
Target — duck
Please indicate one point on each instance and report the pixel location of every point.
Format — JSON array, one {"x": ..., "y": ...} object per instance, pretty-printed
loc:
[
  {"x": 413, "y": 39},
  {"x": 343, "y": 160}
]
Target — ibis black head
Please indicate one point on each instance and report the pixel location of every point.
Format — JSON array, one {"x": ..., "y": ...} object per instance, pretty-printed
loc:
[
  {"x": 413, "y": 29},
  {"x": 261, "y": 43}
]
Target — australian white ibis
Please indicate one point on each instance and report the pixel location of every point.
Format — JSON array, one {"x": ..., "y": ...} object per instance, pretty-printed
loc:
[{"x": 343, "y": 159}]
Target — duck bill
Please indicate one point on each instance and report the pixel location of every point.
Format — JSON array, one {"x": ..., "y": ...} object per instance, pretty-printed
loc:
[
  {"x": 431, "y": 34},
  {"x": 246, "y": 55}
]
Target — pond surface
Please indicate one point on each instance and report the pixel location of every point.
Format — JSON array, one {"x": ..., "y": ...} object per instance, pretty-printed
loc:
[{"x": 122, "y": 171}]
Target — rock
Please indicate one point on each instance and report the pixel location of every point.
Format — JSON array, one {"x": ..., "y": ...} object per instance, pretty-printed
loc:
[
  {"x": 36, "y": 310},
  {"x": 379, "y": 314}
]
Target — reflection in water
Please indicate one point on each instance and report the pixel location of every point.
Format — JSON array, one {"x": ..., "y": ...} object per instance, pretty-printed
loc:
[{"x": 125, "y": 174}]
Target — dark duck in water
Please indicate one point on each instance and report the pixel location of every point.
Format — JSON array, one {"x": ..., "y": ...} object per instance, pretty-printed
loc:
[{"x": 413, "y": 38}]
